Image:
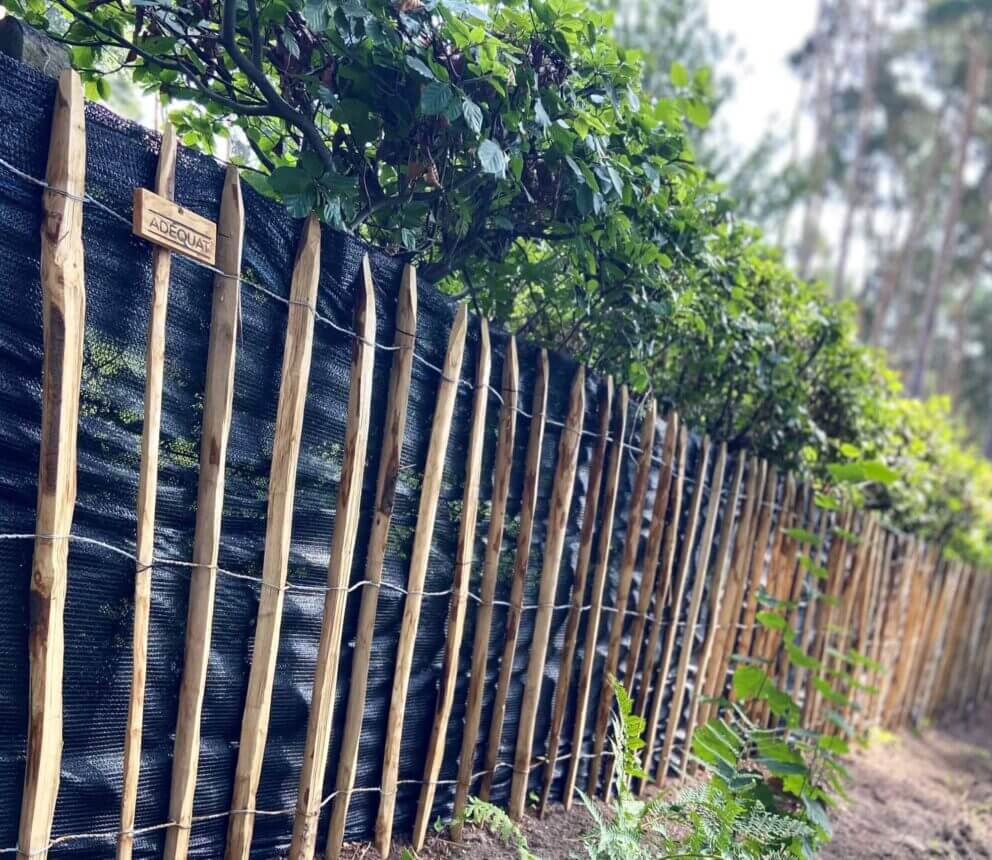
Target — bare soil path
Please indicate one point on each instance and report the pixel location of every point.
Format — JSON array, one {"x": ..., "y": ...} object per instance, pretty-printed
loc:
[{"x": 923, "y": 795}]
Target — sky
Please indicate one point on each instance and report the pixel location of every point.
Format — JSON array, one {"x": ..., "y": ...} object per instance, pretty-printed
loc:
[{"x": 765, "y": 32}]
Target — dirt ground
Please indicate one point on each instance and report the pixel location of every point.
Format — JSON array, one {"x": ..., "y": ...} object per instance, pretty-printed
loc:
[
  {"x": 913, "y": 796},
  {"x": 925, "y": 795}
]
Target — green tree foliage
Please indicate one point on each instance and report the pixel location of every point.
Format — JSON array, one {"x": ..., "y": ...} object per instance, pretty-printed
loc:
[{"x": 512, "y": 151}]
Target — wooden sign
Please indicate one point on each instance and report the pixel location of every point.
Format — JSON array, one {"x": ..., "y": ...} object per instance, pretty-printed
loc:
[{"x": 163, "y": 222}]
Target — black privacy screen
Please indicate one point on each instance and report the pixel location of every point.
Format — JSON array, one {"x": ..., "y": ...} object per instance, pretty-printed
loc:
[{"x": 98, "y": 619}]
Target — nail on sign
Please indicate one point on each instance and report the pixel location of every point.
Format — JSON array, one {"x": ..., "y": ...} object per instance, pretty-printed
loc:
[{"x": 161, "y": 221}]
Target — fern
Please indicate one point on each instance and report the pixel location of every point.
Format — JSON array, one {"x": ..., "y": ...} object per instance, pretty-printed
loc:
[{"x": 497, "y": 822}]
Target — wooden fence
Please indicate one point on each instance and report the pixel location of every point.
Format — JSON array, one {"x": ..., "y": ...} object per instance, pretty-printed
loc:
[{"x": 722, "y": 531}]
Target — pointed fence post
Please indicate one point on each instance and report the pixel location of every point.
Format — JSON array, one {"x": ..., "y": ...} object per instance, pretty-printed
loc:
[
  {"x": 692, "y": 615},
  {"x": 531, "y": 477},
  {"x": 426, "y": 514},
  {"x": 278, "y": 530},
  {"x": 346, "y": 518},
  {"x": 487, "y": 588},
  {"x": 600, "y": 573},
  {"x": 217, "y": 402},
  {"x": 165, "y": 182},
  {"x": 385, "y": 495},
  {"x": 578, "y": 591},
  {"x": 63, "y": 313},
  {"x": 459, "y": 594},
  {"x": 561, "y": 502},
  {"x": 632, "y": 541}
]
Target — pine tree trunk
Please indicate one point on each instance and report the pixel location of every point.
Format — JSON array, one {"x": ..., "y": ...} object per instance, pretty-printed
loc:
[
  {"x": 824, "y": 112},
  {"x": 942, "y": 265},
  {"x": 955, "y": 367},
  {"x": 892, "y": 283},
  {"x": 852, "y": 193}
]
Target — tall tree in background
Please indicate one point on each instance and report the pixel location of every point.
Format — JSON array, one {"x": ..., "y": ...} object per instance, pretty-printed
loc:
[
  {"x": 822, "y": 51},
  {"x": 854, "y": 183},
  {"x": 975, "y": 83}
]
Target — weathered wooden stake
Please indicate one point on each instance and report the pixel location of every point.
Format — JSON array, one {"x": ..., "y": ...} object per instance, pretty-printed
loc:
[
  {"x": 63, "y": 312},
  {"x": 692, "y": 616},
  {"x": 719, "y": 579},
  {"x": 663, "y": 581},
  {"x": 678, "y": 593},
  {"x": 561, "y": 502},
  {"x": 165, "y": 183},
  {"x": 758, "y": 559},
  {"x": 385, "y": 495},
  {"x": 596, "y": 596},
  {"x": 278, "y": 531},
  {"x": 726, "y": 629},
  {"x": 487, "y": 588},
  {"x": 217, "y": 401},
  {"x": 652, "y": 552},
  {"x": 570, "y": 646},
  {"x": 347, "y": 512},
  {"x": 426, "y": 514},
  {"x": 531, "y": 476},
  {"x": 459, "y": 593},
  {"x": 635, "y": 511}
]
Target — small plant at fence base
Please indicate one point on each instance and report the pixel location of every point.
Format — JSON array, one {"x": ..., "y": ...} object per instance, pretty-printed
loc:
[{"x": 737, "y": 813}]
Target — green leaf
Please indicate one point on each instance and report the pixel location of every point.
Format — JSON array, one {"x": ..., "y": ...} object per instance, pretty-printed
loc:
[
  {"x": 771, "y": 620},
  {"x": 698, "y": 113},
  {"x": 289, "y": 180},
  {"x": 541, "y": 115},
  {"x": 803, "y": 536},
  {"x": 434, "y": 98},
  {"x": 421, "y": 68},
  {"x": 800, "y": 658},
  {"x": 472, "y": 114},
  {"x": 493, "y": 159},
  {"x": 816, "y": 570},
  {"x": 833, "y": 744},
  {"x": 679, "y": 75},
  {"x": 748, "y": 681},
  {"x": 827, "y": 503},
  {"x": 879, "y": 472}
]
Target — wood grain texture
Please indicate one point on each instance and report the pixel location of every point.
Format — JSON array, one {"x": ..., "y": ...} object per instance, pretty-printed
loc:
[
  {"x": 806, "y": 579},
  {"x": 890, "y": 610},
  {"x": 652, "y": 552},
  {"x": 165, "y": 183},
  {"x": 678, "y": 593},
  {"x": 293, "y": 386},
  {"x": 490, "y": 571},
  {"x": 912, "y": 574},
  {"x": 426, "y": 514},
  {"x": 571, "y": 638},
  {"x": 663, "y": 581},
  {"x": 836, "y": 562},
  {"x": 777, "y": 585},
  {"x": 600, "y": 572},
  {"x": 459, "y": 594},
  {"x": 156, "y": 218},
  {"x": 217, "y": 401},
  {"x": 632, "y": 541},
  {"x": 717, "y": 588},
  {"x": 529, "y": 493},
  {"x": 759, "y": 558},
  {"x": 762, "y": 645},
  {"x": 390, "y": 456},
  {"x": 692, "y": 614},
  {"x": 554, "y": 543},
  {"x": 726, "y": 630},
  {"x": 346, "y": 518},
  {"x": 63, "y": 313}
]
